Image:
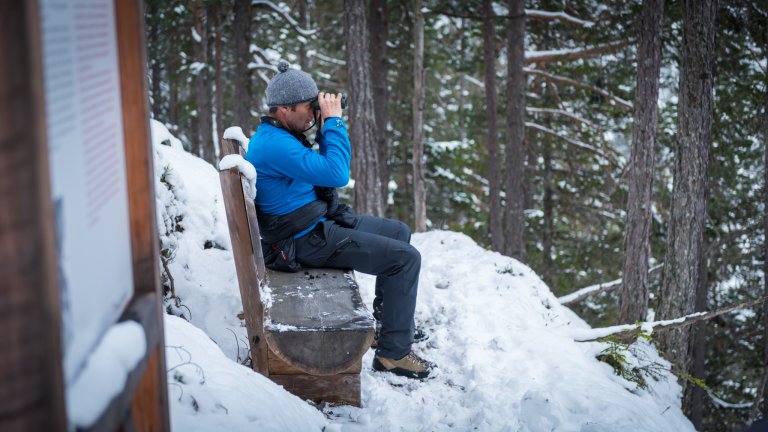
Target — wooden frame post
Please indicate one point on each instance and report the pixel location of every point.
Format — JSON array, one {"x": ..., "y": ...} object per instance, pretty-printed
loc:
[
  {"x": 150, "y": 403},
  {"x": 31, "y": 380},
  {"x": 249, "y": 259},
  {"x": 32, "y": 388}
]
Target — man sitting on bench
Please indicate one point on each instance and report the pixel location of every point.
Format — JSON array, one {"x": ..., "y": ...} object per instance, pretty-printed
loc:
[{"x": 302, "y": 222}]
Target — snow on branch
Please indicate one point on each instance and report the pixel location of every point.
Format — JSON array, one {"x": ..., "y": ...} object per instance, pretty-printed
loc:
[
  {"x": 286, "y": 15},
  {"x": 598, "y": 288},
  {"x": 630, "y": 330},
  {"x": 574, "y": 142},
  {"x": 621, "y": 103},
  {"x": 563, "y": 113},
  {"x": 574, "y": 53},
  {"x": 544, "y": 15},
  {"x": 260, "y": 63},
  {"x": 531, "y": 13},
  {"x": 325, "y": 58}
]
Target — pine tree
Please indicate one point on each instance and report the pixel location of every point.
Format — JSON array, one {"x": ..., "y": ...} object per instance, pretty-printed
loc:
[{"x": 637, "y": 229}]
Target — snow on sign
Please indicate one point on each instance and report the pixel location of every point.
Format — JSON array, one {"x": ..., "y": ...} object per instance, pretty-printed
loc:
[{"x": 87, "y": 171}]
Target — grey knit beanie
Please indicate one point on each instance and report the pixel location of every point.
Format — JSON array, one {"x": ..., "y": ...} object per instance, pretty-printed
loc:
[{"x": 290, "y": 86}]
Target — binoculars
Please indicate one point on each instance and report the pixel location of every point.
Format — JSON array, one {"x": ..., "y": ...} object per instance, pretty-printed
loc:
[{"x": 316, "y": 104}]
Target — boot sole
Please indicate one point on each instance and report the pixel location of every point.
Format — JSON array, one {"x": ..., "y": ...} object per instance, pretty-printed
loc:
[{"x": 399, "y": 371}]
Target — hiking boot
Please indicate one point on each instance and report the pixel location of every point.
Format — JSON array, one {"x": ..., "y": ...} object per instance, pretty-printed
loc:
[
  {"x": 419, "y": 335},
  {"x": 410, "y": 366}
]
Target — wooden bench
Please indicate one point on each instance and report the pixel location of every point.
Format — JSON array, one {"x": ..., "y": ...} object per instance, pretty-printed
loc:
[{"x": 311, "y": 329}]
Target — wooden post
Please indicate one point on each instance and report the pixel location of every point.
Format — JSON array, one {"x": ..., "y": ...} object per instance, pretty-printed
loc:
[
  {"x": 31, "y": 381},
  {"x": 31, "y": 374},
  {"x": 150, "y": 402},
  {"x": 247, "y": 252}
]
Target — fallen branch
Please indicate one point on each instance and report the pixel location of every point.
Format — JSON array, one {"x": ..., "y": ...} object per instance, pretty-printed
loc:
[
  {"x": 616, "y": 100},
  {"x": 629, "y": 331},
  {"x": 598, "y": 288}
]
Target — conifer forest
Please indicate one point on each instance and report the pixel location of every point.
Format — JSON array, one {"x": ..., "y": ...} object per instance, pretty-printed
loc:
[{"x": 615, "y": 144}]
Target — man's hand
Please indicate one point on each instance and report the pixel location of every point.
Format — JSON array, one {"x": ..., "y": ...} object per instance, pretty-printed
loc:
[{"x": 330, "y": 105}]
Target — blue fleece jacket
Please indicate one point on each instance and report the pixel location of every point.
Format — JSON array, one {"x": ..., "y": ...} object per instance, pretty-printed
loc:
[{"x": 287, "y": 171}]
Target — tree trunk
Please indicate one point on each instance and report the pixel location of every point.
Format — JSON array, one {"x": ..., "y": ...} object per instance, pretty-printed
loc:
[
  {"x": 242, "y": 94},
  {"x": 303, "y": 23},
  {"x": 155, "y": 63},
  {"x": 637, "y": 230},
  {"x": 688, "y": 216},
  {"x": 172, "y": 59},
  {"x": 494, "y": 166},
  {"x": 549, "y": 213},
  {"x": 218, "y": 96},
  {"x": 419, "y": 195},
  {"x": 765, "y": 247},
  {"x": 211, "y": 144},
  {"x": 379, "y": 33},
  {"x": 462, "y": 81},
  {"x": 514, "y": 228},
  {"x": 363, "y": 133},
  {"x": 202, "y": 144},
  {"x": 694, "y": 395}
]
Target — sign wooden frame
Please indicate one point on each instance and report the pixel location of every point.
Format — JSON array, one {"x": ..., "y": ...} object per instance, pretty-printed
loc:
[{"x": 31, "y": 378}]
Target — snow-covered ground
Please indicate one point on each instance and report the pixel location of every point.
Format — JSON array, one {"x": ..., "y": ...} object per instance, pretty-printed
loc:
[{"x": 504, "y": 345}]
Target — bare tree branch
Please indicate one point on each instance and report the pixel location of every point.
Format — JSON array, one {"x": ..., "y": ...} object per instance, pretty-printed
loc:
[
  {"x": 585, "y": 292},
  {"x": 530, "y": 13},
  {"x": 286, "y": 16},
  {"x": 615, "y": 100},
  {"x": 563, "y": 55},
  {"x": 562, "y": 16},
  {"x": 574, "y": 142},
  {"x": 562, "y": 113}
]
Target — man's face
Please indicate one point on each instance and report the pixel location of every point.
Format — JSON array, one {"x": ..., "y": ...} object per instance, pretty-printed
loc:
[{"x": 299, "y": 118}]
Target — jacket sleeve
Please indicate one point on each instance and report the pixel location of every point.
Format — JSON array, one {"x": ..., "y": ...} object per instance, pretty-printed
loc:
[{"x": 329, "y": 167}]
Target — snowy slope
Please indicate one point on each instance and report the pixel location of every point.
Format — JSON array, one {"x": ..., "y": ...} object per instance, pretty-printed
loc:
[{"x": 500, "y": 338}]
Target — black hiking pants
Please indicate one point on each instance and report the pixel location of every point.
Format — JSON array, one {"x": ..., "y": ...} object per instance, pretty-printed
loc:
[{"x": 379, "y": 247}]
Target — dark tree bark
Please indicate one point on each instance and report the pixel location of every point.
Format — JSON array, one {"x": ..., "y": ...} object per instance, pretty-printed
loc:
[
  {"x": 694, "y": 395},
  {"x": 378, "y": 27},
  {"x": 763, "y": 393},
  {"x": 765, "y": 247},
  {"x": 362, "y": 128},
  {"x": 514, "y": 228},
  {"x": 549, "y": 213},
  {"x": 494, "y": 166},
  {"x": 242, "y": 80},
  {"x": 419, "y": 194},
  {"x": 687, "y": 220},
  {"x": 173, "y": 60},
  {"x": 155, "y": 63},
  {"x": 210, "y": 145},
  {"x": 637, "y": 230},
  {"x": 218, "y": 96},
  {"x": 303, "y": 23},
  {"x": 202, "y": 146}
]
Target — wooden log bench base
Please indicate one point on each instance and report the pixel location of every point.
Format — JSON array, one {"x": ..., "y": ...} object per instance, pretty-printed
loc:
[{"x": 310, "y": 330}]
